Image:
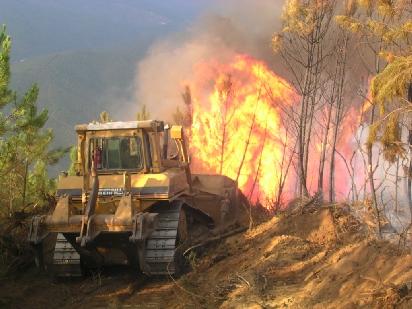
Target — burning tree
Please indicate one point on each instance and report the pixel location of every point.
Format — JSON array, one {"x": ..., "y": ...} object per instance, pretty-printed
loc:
[
  {"x": 386, "y": 27},
  {"x": 301, "y": 43},
  {"x": 237, "y": 128}
]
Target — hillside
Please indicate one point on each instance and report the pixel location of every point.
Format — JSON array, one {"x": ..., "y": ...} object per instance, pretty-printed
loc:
[
  {"x": 76, "y": 86},
  {"x": 318, "y": 259},
  {"x": 41, "y": 27}
]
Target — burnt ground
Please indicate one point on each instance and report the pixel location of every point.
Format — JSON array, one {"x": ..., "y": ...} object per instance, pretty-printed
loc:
[{"x": 322, "y": 258}]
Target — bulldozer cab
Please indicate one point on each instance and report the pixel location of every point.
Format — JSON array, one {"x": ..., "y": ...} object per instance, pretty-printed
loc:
[{"x": 133, "y": 147}]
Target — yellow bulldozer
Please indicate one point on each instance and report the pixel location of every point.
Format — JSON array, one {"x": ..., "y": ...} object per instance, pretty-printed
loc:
[{"x": 132, "y": 201}]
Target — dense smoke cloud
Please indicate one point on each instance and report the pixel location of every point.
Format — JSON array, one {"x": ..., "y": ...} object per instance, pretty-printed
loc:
[{"x": 230, "y": 27}]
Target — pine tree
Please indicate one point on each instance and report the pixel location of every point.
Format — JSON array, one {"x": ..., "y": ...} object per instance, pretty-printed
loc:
[
  {"x": 104, "y": 117},
  {"x": 24, "y": 144},
  {"x": 143, "y": 114},
  {"x": 301, "y": 43},
  {"x": 73, "y": 160},
  {"x": 388, "y": 26}
]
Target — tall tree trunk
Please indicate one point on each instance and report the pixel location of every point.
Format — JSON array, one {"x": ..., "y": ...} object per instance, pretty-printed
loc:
[
  {"x": 326, "y": 136},
  {"x": 410, "y": 155},
  {"x": 303, "y": 118},
  {"x": 10, "y": 195},
  {"x": 222, "y": 148},
  {"x": 226, "y": 92},
  {"x": 252, "y": 125},
  {"x": 323, "y": 153},
  {"x": 309, "y": 136},
  {"x": 396, "y": 187},
  {"x": 255, "y": 180},
  {"x": 317, "y": 59},
  {"x": 26, "y": 171},
  {"x": 339, "y": 113},
  {"x": 370, "y": 157},
  {"x": 283, "y": 174},
  {"x": 303, "y": 191},
  {"x": 333, "y": 157},
  {"x": 371, "y": 177}
]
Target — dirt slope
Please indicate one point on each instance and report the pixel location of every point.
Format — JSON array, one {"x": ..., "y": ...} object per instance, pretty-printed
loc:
[{"x": 321, "y": 259}]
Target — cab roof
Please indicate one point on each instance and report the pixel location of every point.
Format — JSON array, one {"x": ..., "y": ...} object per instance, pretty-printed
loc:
[{"x": 152, "y": 125}]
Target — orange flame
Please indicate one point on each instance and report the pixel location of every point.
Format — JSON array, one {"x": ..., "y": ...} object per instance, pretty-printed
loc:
[{"x": 237, "y": 127}]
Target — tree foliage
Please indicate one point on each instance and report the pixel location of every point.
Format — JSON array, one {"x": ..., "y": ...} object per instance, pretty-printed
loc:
[
  {"x": 143, "y": 114},
  {"x": 388, "y": 28},
  {"x": 184, "y": 117},
  {"x": 104, "y": 117},
  {"x": 73, "y": 160},
  {"x": 24, "y": 144},
  {"x": 393, "y": 82}
]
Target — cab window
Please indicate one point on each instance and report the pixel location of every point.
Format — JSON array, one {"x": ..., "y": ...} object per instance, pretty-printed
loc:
[{"x": 116, "y": 153}]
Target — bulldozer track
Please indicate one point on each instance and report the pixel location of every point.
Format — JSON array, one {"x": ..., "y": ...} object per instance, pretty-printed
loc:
[
  {"x": 66, "y": 260},
  {"x": 160, "y": 254}
]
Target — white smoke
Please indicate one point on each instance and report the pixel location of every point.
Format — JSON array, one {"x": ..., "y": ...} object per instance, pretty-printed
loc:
[{"x": 229, "y": 27}]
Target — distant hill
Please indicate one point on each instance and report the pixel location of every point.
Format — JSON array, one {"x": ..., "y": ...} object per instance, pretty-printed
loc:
[
  {"x": 41, "y": 27},
  {"x": 76, "y": 86}
]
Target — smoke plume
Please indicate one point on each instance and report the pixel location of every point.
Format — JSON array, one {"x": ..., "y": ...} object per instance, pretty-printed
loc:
[{"x": 231, "y": 27}]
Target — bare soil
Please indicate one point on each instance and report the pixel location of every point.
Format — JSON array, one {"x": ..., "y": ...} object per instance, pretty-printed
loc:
[{"x": 322, "y": 258}]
